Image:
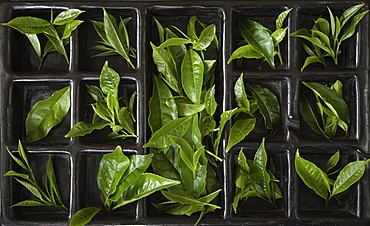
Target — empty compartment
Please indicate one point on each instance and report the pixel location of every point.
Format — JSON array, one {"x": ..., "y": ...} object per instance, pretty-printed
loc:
[
  {"x": 266, "y": 16},
  {"x": 17, "y": 192},
  {"x": 86, "y": 113},
  {"x": 255, "y": 208},
  {"x": 309, "y": 205},
  {"x": 88, "y": 37},
  {"x": 24, "y": 95},
  {"x": 350, "y": 96},
  {"x": 23, "y": 56}
]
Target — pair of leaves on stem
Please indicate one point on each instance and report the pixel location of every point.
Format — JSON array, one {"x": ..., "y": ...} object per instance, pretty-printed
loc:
[
  {"x": 46, "y": 114},
  {"x": 261, "y": 42},
  {"x": 331, "y": 107},
  {"x": 47, "y": 196},
  {"x": 261, "y": 99},
  {"x": 326, "y": 37},
  {"x": 115, "y": 38},
  {"x": 57, "y": 31},
  {"x": 319, "y": 181},
  {"x": 107, "y": 107},
  {"x": 253, "y": 179},
  {"x": 122, "y": 180}
]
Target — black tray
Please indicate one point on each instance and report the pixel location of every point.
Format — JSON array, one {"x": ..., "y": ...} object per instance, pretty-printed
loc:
[{"x": 76, "y": 159}]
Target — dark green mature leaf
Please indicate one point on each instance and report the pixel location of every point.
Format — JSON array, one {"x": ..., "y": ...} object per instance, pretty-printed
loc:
[
  {"x": 309, "y": 116},
  {"x": 206, "y": 37},
  {"x": 162, "y": 107},
  {"x": 176, "y": 127},
  {"x": 45, "y": 114},
  {"x": 331, "y": 98},
  {"x": 192, "y": 70},
  {"x": 109, "y": 79},
  {"x": 312, "y": 176},
  {"x": 268, "y": 105},
  {"x": 28, "y": 25},
  {"x": 246, "y": 51},
  {"x": 240, "y": 94},
  {"x": 260, "y": 163},
  {"x": 112, "y": 166},
  {"x": 84, "y": 128},
  {"x": 84, "y": 216},
  {"x": 239, "y": 131},
  {"x": 67, "y": 16},
  {"x": 146, "y": 184},
  {"x": 257, "y": 36},
  {"x": 349, "y": 175}
]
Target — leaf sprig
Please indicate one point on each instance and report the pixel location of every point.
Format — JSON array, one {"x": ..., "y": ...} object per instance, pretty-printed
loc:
[
  {"x": 47, "y": 196},
  {"x": 115, "y": 38},
  {"x": 57, "y": 31},
  {"x": 122, "y": 180},
  {"x": 254, "y": 179},
  {"x": 261, "y": 43},
  {"x": 326, "y": 37},
  {"x": 319, "y": 180},
  {"x": 107, "y": 107},
  {"x": 331, "y": 107},
  {"x": 261, "y": 99}
]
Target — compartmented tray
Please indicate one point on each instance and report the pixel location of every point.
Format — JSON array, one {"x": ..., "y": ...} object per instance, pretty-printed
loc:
[{"x": 76, "y": 159}]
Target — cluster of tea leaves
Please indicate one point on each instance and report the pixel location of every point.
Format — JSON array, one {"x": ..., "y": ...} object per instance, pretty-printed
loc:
[
  {"x": 107, "y": 107},
  {"x": 47, "y": 196},
  {"x": 319, "y": 180},
  {"x": 57, "y": 31},
  {"x": 326, "y": 37},
  {"x": 255, "y": 179},
  {"x": 331, "y": 107},
  {"x": 181, "y": 117},
  {"x": 260, "y": 42},
  {"x": 115, "y": 38},
  {"x": 122, "y": 180}
]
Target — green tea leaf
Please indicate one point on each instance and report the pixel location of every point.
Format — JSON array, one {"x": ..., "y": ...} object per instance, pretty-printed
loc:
[
  {"x": 57, "y": 44},
  {"x": 210, "y": 101},
  {"x": 280, "y": 19},
  {"x": 350, "y": 30},
  {"x": 29, "y": 203},
  {"x": 192, "y": 70},
  {"x": 31, "y": 188},
  {"x": 348, "y": 13},
  {"x": 239, "y": 131},
  {"x": 333, "y": 161},
  {"x": 84, "y": 216},
  {"x": 174, "y": 42},
  {"x": 260, "y": 163},
  {"x": 246, "y": 51},
  {"x": 70, "y": 27},
  {"x": 240, "y": 94},
  {"x": 35, "y": 43},
  {"x": 28, "y": 25},
  {"x": 187, "y": 108},
  {"x": 192, "y": 33},
  {"x": 84, "y": 128},
  {"x": 279, "y": 35},
  {"x": 45, "y": 114},
  {"x": 109, "y": 79},
  {"x": 257, "y": 36},
  {"x": 349, "y": 175},
  {"x": 67, "y": 16},
  {"x": 206, "y": 37}
]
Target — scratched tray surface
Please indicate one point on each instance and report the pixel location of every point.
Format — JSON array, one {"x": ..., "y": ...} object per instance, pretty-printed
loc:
[{"x": 76, "y": 160}]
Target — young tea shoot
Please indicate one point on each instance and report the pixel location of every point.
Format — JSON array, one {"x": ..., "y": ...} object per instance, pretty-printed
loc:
[
  {"x": 115, "y": 39},
  {"x": 254, "y": 179},
  {"x": 46, "y": 114},
  {"x": 259, "y": 42},
  {"x": 107, "y": 107},
  {"x": 330, "y": 106},
  {"x": 48, "y": 195},
  {"x": 57, "y": 31},
  {"x": 320, "y": 181},
  {"x": 122, "y": 180},
  {"x": 325, "y": 38}
]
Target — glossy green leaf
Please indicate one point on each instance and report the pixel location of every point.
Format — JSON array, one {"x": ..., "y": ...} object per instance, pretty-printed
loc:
[
  {"x": 185, "y": 152},
  {"x": 332, "y": 99},
  {"x": 193, "y": 135},
  {"x": 70, "y": 27},
  {"x": 176, "y": 127},
  {"x": 112, "y": 166},
  {"x": 160, "y": 30},
  {"x": 309, "y": 116},
  {"x": 177, "y": 196},
  {"x": 84, "y": 216},
  {"x": 240, "y": 94},
  {"x": 109, "y": 79},
  {"x": 280, "y": 19},
  {"x": 177, "y": 52},
  {"x": 67, "y": 16},
  {"x": 15, "y": 174},
  {"x": 257, "y": 36},
  {"x": 311, "y": 175},
  {"x": 187, "y": 108},
  {"x": 174, "y": 42},
  {"x": 125, "y": 120},
  {"x": 31, "y": 188},
  {"x": 46, "y": 114},
  {"x": 84, "y": 128},
  {"x": 338, "y": 88},
  {"x": 260, "y": 163},
  {"x": 350, "y": 30},
  {"x": 29, "y": 203},
  {"x": 333, "y": 161},
  {"x": 28, "y": 25},
  {"x": 50, "y": 173},
  {"x": 95, "y": 92},
  {"x": 310, "y": 60},
  {"x": 57, "y": 44},
  {"x": 246, "y": 51},
  {"x": 268, "y": 105},
  {"x": 144, "y": 186},
  {"x": 239, "y": 131},
  {"x": 17, "y": 160},
  {"x": 349, "y": 175},
  {"x": 206, "y": 37},
  {"x": 279, "y": 35},
  {"x": 348, "y": 13},
  {"x": 35, "y": 43},
  {"x": 192, "y": 33},
  {"x": 210, "y": 101},
  {"x": 192, "y": 70},
  {"x": 162, "y": 107},
  {"x": 323, "y": 25}
]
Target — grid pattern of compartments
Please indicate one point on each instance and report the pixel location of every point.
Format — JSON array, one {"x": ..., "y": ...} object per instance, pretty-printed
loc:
[{"x": 76, "y": 159}]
